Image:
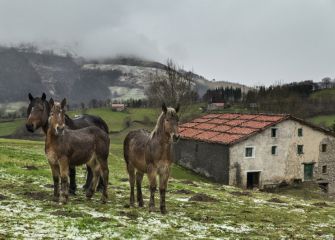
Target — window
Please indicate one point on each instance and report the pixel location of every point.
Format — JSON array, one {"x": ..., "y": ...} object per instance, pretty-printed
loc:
[
  {"x": 324, "y": 147},
  {"x": 300, "y": 149},
  {"x": 324, "y": 169},
  {"x": 273, "y": 132},
  {"x": 299, "y": 132},
  {"x": 250, "y": 152},
  {"x": 274, "y": 150}
]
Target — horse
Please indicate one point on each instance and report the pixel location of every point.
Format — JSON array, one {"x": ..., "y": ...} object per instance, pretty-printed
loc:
[
  {"x": 65, "y": 147},
  {"x": 151, "y": 153},
  {"x": 37, "y": 117}
]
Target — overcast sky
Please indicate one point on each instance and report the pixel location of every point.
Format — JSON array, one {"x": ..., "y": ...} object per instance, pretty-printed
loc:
[{"x": 247, "y": 41}]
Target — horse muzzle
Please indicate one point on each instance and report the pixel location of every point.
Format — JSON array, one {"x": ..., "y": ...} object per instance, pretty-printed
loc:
[
  {"x": 175, "y": 138},
  {"x": 30, "y": 127},
  {"x": 60, "y": 130}
]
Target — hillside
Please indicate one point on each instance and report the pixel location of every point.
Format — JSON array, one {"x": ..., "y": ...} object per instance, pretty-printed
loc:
[
  {"x": 198, "y": 209},
  {"x": 80, "y": 80}
]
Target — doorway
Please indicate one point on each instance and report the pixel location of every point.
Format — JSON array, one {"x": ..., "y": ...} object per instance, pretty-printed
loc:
[
  {"x": 253, "y": 180},
  {"x": 308, "y": 171}
]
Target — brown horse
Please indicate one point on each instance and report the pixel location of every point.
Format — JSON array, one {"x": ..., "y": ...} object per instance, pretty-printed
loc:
[
  {"x": 150, "y": 153},
  {"x": 65, "y": 147},
  {"x": 37, "y": 117}
]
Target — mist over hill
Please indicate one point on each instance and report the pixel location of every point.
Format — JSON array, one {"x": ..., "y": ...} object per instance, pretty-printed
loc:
[{"x": 81, "y": 80}]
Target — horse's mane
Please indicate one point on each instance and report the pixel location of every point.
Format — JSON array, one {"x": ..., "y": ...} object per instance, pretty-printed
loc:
[{"x": 158, "y": 127}]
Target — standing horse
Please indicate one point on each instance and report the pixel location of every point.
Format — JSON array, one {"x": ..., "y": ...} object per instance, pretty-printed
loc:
[
  {"x": 65, "y": 147},
  {"x": 150, "y": 153},
  {"x": 38, "y": 113}
]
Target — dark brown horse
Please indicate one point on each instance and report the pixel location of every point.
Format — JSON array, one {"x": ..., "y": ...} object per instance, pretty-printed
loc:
[
  {"x": 37, "y": 117},
  {"x": 150, "y": 153},
  {"x": 65, "y": 147}
]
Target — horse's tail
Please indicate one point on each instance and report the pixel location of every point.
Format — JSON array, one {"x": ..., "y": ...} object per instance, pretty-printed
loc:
[
  {"x": 126, "y": 148},
  {"x": 102, "y": 124}
]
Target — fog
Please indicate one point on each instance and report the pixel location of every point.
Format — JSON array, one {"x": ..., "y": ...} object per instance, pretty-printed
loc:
[{"x": 250, "y": 42}]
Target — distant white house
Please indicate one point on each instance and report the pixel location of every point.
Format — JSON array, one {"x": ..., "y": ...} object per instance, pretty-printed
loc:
[
  {"x": 215, "y": 106},
  {"x": 118, "y": 107}
]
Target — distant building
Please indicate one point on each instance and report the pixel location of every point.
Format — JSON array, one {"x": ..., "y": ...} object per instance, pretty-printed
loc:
[
  {"x": 256, "y": 150},
  {"x": 215, "y": 106},
  {"x": 118, "y": 107}
]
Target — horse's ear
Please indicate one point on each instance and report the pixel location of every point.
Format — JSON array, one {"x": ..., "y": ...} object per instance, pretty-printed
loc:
[
  {"x": 43, "y": 96},
  {"x": 51, "y": 102},
  {"x": 177, "y": 108},
  {"x": 31, "y": 98},
  {"x": 63, "y": 103},
  {"x": 164, "y": 108}
]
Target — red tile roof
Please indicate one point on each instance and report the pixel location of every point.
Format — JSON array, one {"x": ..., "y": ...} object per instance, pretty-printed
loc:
[{"x": 228, "y": 128}]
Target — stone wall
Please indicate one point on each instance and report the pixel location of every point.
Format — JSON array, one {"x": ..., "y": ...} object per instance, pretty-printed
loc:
[
  {"x": 208, "y": 159},
  {"x": 325, "y": 172}
]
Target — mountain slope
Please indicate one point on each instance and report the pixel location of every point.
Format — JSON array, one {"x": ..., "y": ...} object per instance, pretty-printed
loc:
[{"x": 80, "y": 80}]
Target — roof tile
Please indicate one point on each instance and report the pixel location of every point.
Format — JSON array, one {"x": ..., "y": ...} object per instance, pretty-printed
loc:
[
  {"x": 268, "y": 118},
  {"x": 188, "y": 125},
  {"x": 235, "y": 122},
  {"x": 211, "y": 116},
  {"x": 226, "y": 138},
  {"x": 201, "y": 120},
  {"x": 190, "y": 132},
  {"x": 206, "y": 135},
  {"x": 205, "y": 126},
  {"x": 242, "y": 130},
  {"x": 218, "y": 121},
  {"x": 256, "y": 124},
  {"x": 222, "y": 128},
  {"x": 229, "y": 116}
]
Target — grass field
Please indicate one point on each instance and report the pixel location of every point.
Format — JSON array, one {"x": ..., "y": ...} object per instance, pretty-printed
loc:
[
  {"x": 324, "y": 93},
  {"x": 27, "y": 212},
  {"x": 324, "y": 120},
  {"x": 7, "y": 128}
]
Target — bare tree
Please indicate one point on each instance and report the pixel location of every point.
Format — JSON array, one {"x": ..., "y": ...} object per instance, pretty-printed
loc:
[
  {"x": 174, "y": 86},
  {"x": 326, "y": 82}
]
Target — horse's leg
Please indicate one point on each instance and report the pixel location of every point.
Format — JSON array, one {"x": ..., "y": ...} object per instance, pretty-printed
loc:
[
  {"x": 64, "y": 174},
  {"x": 101, "y": 185},
  {"x": 73, "y": 185},
  {"x": 55, "y": 176},
  {"x": 163, "y": 180},
  {"x": 96, "y": 173},
  {"x": 131, "y": 172},
  {"x": 152, "y": 173},
  {"x": 139, "y": 178},
  {"x": 88, "y": 178},
  {"x": 104, "y": 175}
]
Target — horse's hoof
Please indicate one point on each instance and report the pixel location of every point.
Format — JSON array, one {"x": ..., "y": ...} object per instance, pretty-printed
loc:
[
  {"x": 140, "y": 204},
  {"x": 104, "y": 200},
  {"x": 163, "y": 211},
  {"x": 152, "y": 209},
  {"x": 89, "y": 194}
]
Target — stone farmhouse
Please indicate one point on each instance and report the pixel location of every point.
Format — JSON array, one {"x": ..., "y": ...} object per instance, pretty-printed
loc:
[{"x": 257, "y": 150}]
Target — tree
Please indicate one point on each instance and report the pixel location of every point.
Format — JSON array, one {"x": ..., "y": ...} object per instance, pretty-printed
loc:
[
  {"x": 175, "y": 86},
  {"x": 326, "y": 82}
]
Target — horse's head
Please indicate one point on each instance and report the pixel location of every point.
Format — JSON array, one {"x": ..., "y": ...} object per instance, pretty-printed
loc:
[
  {"x": 57, "y": 116},
  {"x": 37, "y": 112},
  {"x": 171, "y": 121}
]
